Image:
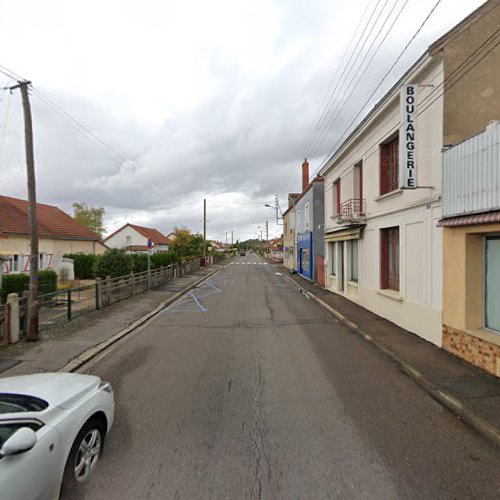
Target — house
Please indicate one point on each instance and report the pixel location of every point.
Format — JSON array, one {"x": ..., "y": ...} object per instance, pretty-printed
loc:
[
  {"x": 58, "y": 234},
  {"x": 309, "y": 227},
  {"x": 289, "y": 259},
  {"x": 471, "y": 246},
  {"x": 383, "y": 201},
  {"x": 383, "y": 188},
  {"x": 134, "y": 239},
  {"x": 471, "y": 188}
]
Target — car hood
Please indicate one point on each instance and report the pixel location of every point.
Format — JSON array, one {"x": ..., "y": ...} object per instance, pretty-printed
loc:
[{"x": 57, "y": 389}]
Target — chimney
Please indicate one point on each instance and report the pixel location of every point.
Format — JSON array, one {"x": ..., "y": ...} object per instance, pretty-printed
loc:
[{"x": 305, "y": 174}]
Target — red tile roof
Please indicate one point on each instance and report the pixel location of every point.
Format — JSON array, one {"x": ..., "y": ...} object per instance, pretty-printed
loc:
[
  {"x": 156, "y": 237},
  {"x": 52, "y": 222}
]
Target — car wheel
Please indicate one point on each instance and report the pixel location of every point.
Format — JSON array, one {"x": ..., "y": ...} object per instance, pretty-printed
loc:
[{"x": 84, "y": 454}]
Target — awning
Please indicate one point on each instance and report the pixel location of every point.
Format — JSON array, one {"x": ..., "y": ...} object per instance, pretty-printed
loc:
[
  {"x": 468, "y": 220},
  {"x": 345, "y": 234}
]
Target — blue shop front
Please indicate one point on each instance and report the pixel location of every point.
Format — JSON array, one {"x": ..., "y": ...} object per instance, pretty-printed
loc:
[{"x": 305, "y": 255}]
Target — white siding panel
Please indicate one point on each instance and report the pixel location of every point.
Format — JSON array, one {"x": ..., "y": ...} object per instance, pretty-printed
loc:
[{"x": 471, "y": 174}]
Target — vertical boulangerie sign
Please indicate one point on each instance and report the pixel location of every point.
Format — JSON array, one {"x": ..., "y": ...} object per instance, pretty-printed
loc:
[{"x": 408, "y": 136}]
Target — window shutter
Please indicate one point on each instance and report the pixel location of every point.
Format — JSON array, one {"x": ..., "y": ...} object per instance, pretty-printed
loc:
[{"x": 384, "y": 168}]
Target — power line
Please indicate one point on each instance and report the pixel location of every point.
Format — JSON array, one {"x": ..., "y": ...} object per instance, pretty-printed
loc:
[
  {"x": 296, "y": 174},
  {"x": 329, "y": 114},
  {"x": 334, "y": 117},
  {"x": 354, "y": 68},
  {"x": 436, "y": 93},
  {"x": 382, "y": 81}
]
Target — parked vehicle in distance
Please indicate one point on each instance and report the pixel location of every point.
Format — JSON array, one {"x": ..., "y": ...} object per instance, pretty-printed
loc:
[
  {"x": 242, "y": 253},
  {"x": 52, "y": 432}
]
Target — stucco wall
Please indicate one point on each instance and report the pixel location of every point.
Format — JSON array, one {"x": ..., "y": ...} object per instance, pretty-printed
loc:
[
  {"x": 119, "y": 240},
  {"x": 289, "y": 239},
  {"x": 474, "y": 100},
  {"x": 20, "y": 245},
  {"x": 418, "y": 304}
]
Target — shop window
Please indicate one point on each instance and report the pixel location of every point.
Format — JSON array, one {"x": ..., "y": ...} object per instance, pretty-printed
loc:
[
  {"x": 389, "y": 261},
  {"x": 389, "y": 166},
  {"x": 354, "y": 260},
  {"x": 492, "y": 285}
]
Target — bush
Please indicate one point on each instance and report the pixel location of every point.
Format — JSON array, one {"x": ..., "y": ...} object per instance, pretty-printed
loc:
[
  {"x": 15, "y": 283},
  {"x": 114, "y": 263},
  {"x": 164, "y": 259},
  {"x": 47, "y": 281},
  {"x": 18, "y": 283},
  {"x": 84, "y": 265},
  {"x": 139, "y": 262}
]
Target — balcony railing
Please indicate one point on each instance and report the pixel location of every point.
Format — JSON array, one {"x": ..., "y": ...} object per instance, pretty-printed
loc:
[{"x": 351, "y": 212}]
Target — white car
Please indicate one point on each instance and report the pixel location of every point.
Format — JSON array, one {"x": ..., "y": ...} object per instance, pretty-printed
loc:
[{"x": 52, "y": 431}]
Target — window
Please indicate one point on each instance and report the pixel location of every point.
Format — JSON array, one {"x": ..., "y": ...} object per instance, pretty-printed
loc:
[
  {"x": 358, "y": 182},
  {"x": 14, "y": 264},
  {"x": 492, "y": 285},
  {"x": 389, "y": 264},
  {"x": 354, "y": 260},
  {"x": 389, "y": 166},
  {"x": 18, "y": 403},
  {"x": 336, "y": 197},
  {"x": 331, "y": 258},
  {"x": 306, "y": 216}
]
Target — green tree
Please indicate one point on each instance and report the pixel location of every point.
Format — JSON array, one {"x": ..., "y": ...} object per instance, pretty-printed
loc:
[
  {"x": 187, "y": 244},
  {"x": 90, "y": 217}
]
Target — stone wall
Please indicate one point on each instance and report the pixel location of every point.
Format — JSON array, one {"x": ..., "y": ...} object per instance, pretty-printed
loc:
[{"x": 473, "y": 349}]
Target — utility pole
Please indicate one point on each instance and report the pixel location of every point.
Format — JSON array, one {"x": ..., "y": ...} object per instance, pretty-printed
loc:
[
  {"x": 205, "y": 231},
  {"x": 32, "y": 327},
  {"x": 232, "y": 240}
]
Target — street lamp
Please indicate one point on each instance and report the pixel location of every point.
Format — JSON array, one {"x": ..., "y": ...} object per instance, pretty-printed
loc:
[{"x": 278, "y": 210}]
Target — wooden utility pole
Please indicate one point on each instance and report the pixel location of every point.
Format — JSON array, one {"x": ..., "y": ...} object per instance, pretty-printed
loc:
[
  {"x": 32, "y": 327},
  {"x": 205, "y": 231}
]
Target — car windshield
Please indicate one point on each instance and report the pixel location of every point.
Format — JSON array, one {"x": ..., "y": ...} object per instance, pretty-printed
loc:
[{"x": 18, "y": 403}]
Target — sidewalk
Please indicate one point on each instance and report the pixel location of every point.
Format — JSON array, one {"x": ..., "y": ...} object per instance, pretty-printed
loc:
[
  {"x": 470, "y": 392},
  {"x": 69, "y": 344}
]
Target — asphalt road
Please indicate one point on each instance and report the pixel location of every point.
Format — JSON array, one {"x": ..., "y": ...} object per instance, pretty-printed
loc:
[{"x": 247, "y": 389}]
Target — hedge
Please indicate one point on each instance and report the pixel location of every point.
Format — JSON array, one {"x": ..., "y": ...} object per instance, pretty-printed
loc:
[
  {"x": 18, "y": 283},
  {"x": 84, "y": 265},
  {"x": 47, "y": 281},
  {"x": 114, "y": 263}
]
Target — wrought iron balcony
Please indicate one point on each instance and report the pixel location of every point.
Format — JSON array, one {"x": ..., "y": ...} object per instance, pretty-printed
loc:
[{"x": 351, "y": 212}]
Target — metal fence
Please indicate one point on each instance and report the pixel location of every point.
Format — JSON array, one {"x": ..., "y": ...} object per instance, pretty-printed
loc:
[{"x": 64, "y": 305}]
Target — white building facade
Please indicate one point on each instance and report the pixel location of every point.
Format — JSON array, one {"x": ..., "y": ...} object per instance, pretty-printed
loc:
[
  {"x": 134, "y": 239},
  {"x": 383, "y": 247}
]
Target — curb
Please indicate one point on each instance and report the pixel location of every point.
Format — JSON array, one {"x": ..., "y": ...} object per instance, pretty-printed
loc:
[
  {"x": 451, "y": 402},
  {"x": 92, "y": 352}
]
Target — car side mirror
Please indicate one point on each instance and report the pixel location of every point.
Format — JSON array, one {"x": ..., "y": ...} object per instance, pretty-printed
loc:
[{"x": 22, "y": 440}]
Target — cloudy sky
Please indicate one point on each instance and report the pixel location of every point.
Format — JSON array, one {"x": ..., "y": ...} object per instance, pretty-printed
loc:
[{"x": 195, "y": 99}]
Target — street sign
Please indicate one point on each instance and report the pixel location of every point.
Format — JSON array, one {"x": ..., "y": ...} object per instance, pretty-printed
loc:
[{"x": 150, "y": 243}]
